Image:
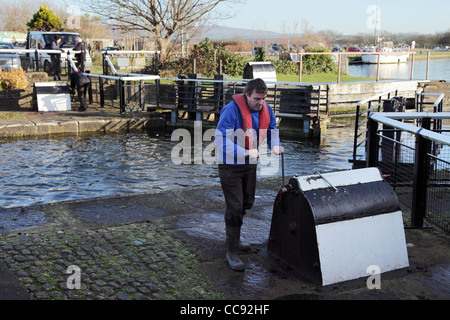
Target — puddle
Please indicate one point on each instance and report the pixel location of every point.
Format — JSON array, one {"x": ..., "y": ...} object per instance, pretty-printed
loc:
[
  {"x": 262, "y": 197},
  {"x": 248, "y": 284},
  {"x": 212, "y": 226},
  {"x": 439, "y": 281},
  {"x": 16, "y": 219}
]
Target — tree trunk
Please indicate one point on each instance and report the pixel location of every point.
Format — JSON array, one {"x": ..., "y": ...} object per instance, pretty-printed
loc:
[{"x": 163, "y": 44}]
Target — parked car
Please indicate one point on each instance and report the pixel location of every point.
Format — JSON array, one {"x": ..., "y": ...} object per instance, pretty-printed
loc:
[
  {"x": 39, "y": 39},
  {"x": 277, "y": 48},
  {"x": 8, "y": 60},
  {"x": 337, "y": 49},
  {"x": 354, "y": 49},
  {"x": 110, "y": 48}
]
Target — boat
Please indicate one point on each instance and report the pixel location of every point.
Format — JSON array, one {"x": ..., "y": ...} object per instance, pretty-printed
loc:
[
  {"x": 389, "y": 57},
  {"x": 392, "y": 55}
]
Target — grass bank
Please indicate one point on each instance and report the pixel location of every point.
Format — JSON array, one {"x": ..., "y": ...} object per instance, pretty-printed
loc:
[{"x": 433, "y": 54}]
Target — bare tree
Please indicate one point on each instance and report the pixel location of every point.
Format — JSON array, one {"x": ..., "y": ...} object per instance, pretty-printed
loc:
[{"x": 164, "y": 19}]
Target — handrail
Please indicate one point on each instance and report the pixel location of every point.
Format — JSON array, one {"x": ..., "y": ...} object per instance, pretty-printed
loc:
[
  {"x": 72, "y": 64},
  {"x": 376, "y": 96},
  {"x": 128, "y": 52},
  {"x": 416, "y": 115},
  {"x": 130, "y": 76},
  {"x": 438, "y": 114},
  {"x": 422, "y": 154},
  {"x": 387, "y": 119},
  {"x": 37, "y": 50}
]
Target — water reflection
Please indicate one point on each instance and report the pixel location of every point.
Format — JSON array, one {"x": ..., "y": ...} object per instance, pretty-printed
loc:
[
  {"x": 37, "y": 171},
  {"x": 439, "y": 69}
]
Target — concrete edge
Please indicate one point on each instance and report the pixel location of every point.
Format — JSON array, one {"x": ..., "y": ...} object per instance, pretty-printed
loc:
[{"x": 28, "y": 127}]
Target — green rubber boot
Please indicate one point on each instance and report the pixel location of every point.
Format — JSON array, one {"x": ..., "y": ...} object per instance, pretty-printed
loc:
[{"x": 233, "y": 236}]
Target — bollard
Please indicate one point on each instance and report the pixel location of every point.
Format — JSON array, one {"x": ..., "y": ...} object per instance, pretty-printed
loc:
[{"x": 331, "y": 227}]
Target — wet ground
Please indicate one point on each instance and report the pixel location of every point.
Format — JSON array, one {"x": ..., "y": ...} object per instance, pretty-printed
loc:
[{"x": 171, "y": 245}]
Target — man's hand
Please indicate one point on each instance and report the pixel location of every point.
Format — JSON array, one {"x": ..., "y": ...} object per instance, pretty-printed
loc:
[
  {"x": 276, "y": 150},
  {"x": 252, "y": 153}
]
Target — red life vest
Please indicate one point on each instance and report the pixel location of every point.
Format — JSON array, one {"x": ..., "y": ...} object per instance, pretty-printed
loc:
[{"x": 264, "y": 120}]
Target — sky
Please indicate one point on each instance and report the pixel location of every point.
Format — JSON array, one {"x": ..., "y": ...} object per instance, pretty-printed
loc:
[
  {"x": 344, "y": 16},
  {"x": 348, "y": 17}
]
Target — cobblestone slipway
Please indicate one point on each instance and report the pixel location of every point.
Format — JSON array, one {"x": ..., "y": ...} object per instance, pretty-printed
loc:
[{"x": 138, "y": 261}]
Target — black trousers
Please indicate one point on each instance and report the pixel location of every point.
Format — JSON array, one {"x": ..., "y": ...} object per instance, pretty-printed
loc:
[
  {"x": 56, "y": 66},
  {"x": 82, "y": 90},
  {"x": 238, "y": 185}
]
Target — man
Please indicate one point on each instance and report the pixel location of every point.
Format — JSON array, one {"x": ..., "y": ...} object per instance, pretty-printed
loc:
[
  {"x": 55, "y": 58},
  {"x": 81, "y": 57},
  {"x": 243, "y": 124},
  {"x": 82, "y": 83}
]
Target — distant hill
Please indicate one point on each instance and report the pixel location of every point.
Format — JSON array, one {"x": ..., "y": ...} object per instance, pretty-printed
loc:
[{"x": 225, "y": 33}]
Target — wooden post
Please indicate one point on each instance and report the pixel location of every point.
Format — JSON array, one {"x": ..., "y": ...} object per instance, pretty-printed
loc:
[
  {"x": 339, "y": 67},
  {"x": 378, "y": 67},
  {"x": 412, "y": 68},
  {"x": 300, "y": 68}
]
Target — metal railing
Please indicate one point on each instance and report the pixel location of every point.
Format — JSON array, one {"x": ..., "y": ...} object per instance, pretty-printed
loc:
[
  {"x": 412, "y": 150},
  {"x": 121, "y": 84},
  {"x": 338, "y": 57},
  {"x": 286, "y": 98},
  {"x": 33, "y": 62},
  {"x": 363, "y": 110},
  {"x": 415, "y": 160},
  {"x": 195, "y": 95},
  {"x": 107, "y": 63}
]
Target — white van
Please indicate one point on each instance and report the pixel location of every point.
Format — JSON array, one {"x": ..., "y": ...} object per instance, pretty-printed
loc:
[{"x": 39, "y": 39}]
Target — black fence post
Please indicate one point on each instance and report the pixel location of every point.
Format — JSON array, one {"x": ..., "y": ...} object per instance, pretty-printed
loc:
[
  {"x": 181, "y": 91},
  {"x": 122, "y": 96},
  {"x": 91, "y": 95},
  {"x": 36, "y": 57},
  {"x": 102, "y": 92},
  {"x": 372, "y": 143},
  {"x": 420, "y": 179},
  {"x": 219, "y": 95},
  {"x": 141, "y": 95},
  {"x": 158, "y": 96},
  {"x": 194, "y": 92}
]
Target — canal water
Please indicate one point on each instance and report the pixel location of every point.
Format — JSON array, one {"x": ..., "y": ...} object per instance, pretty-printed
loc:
[
  {"x": 42, "y": 170},
  {"x": 439, "y": 69}
]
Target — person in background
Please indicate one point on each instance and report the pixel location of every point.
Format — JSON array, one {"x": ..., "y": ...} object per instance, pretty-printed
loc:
[
  {"x": 81, "y": 57},
  {"x": 81, "y": 82},
  {"x": 55, "y": 58},
  {"x": 243, "y": 124}
]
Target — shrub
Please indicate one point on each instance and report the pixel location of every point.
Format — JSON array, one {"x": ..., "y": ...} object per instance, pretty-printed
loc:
[
  {"x": 260, "y": 54},
  {"x": 286, "y": 67},
  {"x": 13, "y": 79},
  {"x": 318, "y": 63},
  {"x": 207, "y": 57}
]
